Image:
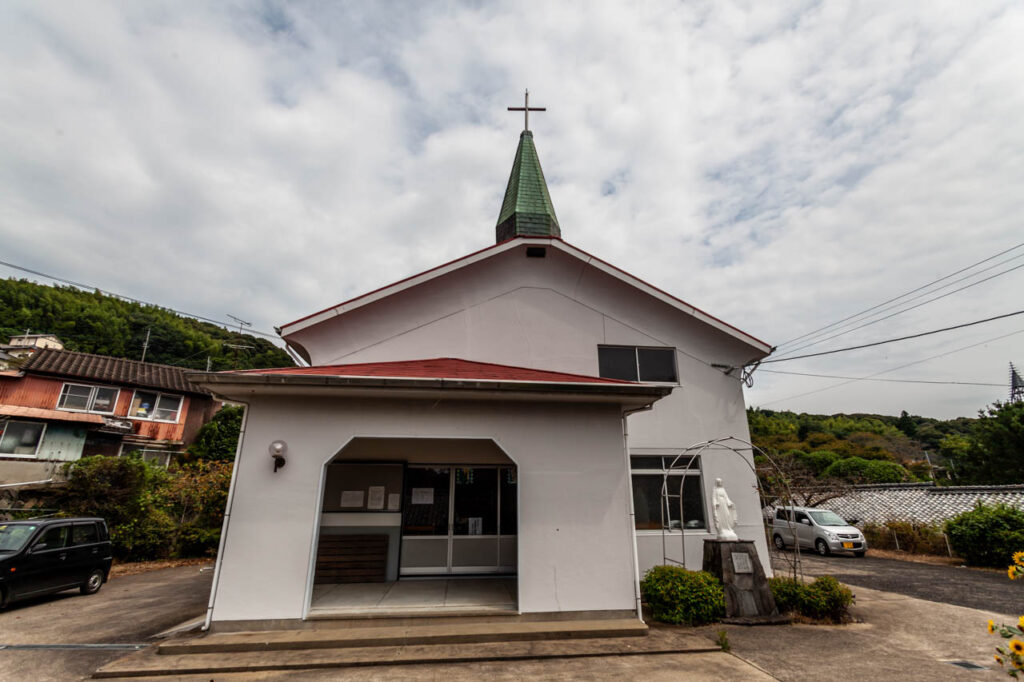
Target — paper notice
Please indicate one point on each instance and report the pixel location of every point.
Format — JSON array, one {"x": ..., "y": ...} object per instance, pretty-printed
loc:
[
  {"x": 352, "y": 498},
  {"x": 476, "y": 525},
  {"x": 375, "y": 497},
  {"x": 423, "y": 496},
  {"x": 394, "y": 501}
]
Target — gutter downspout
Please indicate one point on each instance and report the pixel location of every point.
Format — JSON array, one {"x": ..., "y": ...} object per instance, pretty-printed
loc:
[
  {"x": 632, "y": 510},
  {"x": 227, "y": 520}
]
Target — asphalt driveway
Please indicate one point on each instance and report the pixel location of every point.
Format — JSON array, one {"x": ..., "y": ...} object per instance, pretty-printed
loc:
[
  {"x": 974, "y": 588},
  {"x": 127, "y": 610}
]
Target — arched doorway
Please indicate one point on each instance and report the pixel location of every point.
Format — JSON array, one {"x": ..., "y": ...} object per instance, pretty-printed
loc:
[{"x": 417, "y": 524}]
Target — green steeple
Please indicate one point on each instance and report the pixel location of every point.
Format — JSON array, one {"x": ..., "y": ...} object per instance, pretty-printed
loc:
[{"x": 527, "y": 209}]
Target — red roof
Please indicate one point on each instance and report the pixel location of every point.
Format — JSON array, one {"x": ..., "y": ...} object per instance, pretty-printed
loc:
[{"x": 439, "y": 368}]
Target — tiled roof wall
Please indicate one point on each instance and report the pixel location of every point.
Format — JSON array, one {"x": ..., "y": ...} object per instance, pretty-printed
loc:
[
  {"x": 103, "y": 368},
  {"x": 920, "y": 502}
]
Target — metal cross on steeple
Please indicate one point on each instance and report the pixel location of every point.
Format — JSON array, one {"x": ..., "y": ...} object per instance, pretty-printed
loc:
[{"x": 526, "y": 109}]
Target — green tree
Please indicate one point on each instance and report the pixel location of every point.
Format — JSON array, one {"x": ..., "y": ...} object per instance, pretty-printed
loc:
[
  {"x": 996, "y": 451},
  {"x": 218, "y": 438},
  {"x": 906, "y": 424},
  {"x": 126, "y": 492}
]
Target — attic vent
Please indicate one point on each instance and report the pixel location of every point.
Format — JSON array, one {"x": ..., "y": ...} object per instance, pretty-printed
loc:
[{"x": 536, "y": 252}]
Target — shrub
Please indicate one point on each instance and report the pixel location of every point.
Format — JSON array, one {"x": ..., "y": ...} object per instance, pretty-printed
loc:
[
  {"x": 870, "y": 470},
  {"x": 788, "y": 594},
  {"x": 819, "y": 460},
  {"x": 152, "y": 513},
  {"x": 915, "y": 538},
  {"x": 824, "y": 599},
  {"x": 987, "y": 535},
  {"x": 683, "y": 597},
  {"x": 218, "y": 438}
]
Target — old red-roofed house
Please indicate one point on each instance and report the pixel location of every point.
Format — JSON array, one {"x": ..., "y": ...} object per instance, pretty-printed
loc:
[{"x": 61, "y": 405}]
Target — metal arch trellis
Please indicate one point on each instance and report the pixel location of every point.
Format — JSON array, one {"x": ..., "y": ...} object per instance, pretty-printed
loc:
[{"x": 692, "y": 454}]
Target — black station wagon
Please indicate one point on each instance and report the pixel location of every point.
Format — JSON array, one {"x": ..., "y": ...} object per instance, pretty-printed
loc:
[{"x": 52, "y": 555}]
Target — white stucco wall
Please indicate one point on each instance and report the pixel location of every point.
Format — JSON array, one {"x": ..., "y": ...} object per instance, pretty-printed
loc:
[
  {"x": 574, "y": 533},
  {"x": 552, "y": 313}
]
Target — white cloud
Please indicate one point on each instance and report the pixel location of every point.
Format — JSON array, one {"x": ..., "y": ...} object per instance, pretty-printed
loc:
[{"x": 781, "y": 165}]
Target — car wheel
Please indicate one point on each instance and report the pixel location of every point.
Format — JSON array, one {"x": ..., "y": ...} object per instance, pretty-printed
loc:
[
  {"x": 780, "y": 544},
  {"x": 822, "y": 547},
  {"x": 93, "y": 583},
  {"x": 859, "y": 554}
]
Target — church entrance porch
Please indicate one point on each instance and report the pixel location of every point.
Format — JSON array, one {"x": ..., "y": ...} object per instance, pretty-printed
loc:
[
  {"x": 464, "y": 595},
  {"x": 412, "y": 526}
]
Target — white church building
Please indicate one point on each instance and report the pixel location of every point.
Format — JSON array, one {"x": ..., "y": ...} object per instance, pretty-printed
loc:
[{"x": 496, "y": 425}]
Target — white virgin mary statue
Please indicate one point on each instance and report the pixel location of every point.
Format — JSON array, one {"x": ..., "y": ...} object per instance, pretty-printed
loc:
[{"x": 724, "y": 511}]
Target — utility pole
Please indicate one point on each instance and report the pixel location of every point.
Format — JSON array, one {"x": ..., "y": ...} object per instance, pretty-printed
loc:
[
  {"x": 145, "y": 344},
  {"x": 207, "y": 363}
]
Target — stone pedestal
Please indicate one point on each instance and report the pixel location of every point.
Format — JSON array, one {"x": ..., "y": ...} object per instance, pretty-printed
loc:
[{"x": 748, "y": 599}]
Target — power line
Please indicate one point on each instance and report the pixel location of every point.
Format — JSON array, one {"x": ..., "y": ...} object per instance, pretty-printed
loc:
[
  {"x": 899, "y": 312},
  {"x": 894, "y": 369},
  {"x": 129, "y": 298},
  {"x": 902, "y": 338},
  {"x": 893, "y": 381},
  {"x": 896, "y": 298}
]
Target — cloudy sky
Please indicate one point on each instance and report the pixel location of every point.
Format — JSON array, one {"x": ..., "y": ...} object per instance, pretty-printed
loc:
[{"x": 781, "y": 165}]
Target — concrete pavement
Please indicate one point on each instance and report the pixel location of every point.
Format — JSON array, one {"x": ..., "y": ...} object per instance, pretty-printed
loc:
[{"x": 126, "y": 610}]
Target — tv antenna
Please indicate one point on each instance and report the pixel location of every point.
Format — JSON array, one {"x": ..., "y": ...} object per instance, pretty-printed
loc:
[
  {"x": 1016, "y": 385},
  {"x": 240, "y": 321}
]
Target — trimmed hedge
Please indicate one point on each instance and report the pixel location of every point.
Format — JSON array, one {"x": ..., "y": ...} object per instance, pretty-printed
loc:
[
  {"x": 683, "y": 597},
  {"x": 824, "y": 599},
  {"x": 987, "y": 535}
]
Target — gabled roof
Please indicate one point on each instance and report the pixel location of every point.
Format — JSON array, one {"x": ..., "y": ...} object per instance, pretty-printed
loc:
[
  {"x": 527, "y": 209},
  {"x": 492, "y": 251},
  {"x": 438, "y": 368},
  {"x": 106, "y": 369}
]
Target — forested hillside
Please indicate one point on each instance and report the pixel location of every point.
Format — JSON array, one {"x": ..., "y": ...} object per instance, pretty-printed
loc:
[
  {"x": 833, "y": 450},
  {"x": 859, "y": 448},
  {"x": 92, "y": 322}
]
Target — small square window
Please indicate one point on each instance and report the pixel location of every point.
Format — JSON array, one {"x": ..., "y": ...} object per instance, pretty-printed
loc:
[
  {"x": 617, "y": 362},
  {"x": 657, "y": 364}
]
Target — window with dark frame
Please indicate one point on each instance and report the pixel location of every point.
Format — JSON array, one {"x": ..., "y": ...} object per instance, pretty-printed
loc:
[
  {"x": 684, "y": 508},
  {"x": 634, "y": 363}
]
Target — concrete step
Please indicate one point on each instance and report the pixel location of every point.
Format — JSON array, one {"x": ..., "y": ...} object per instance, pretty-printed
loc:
[
  {"x": 149, "y": 663},
  {"x": 406, "y": 635}
]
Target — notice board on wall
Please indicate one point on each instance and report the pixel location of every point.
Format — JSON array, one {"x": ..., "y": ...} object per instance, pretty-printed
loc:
[{"x": 362, "y": 487}]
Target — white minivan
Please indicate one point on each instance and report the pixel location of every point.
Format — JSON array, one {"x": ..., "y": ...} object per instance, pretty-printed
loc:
[{"x": 821, "y": 529}]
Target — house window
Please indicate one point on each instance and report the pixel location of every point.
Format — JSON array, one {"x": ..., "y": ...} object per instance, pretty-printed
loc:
[
  {"x": 20, "y": 438},
  {"x": 637, "y": 364},
  {"x": 159, "y": 457},
  {"x": 676, "y": 501},
  {"x": 82, "y": 398},
  {"x": 155, "y": 406}
]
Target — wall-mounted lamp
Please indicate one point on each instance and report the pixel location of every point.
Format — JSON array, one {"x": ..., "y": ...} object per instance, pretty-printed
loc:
[{"x": 277, "y": 450}]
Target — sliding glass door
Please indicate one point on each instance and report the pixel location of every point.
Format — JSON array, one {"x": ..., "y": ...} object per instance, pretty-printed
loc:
[{"x": 459, "y": 520}]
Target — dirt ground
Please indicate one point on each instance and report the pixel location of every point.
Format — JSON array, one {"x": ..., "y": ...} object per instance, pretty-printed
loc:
[{"x": 135, "y": 567}]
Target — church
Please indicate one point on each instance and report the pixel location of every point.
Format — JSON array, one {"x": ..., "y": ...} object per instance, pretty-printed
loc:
[{"x": 510, "y": 432}]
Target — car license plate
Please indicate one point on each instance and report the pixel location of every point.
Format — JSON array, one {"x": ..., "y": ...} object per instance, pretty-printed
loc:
[{"x": 847, "y": 545}]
